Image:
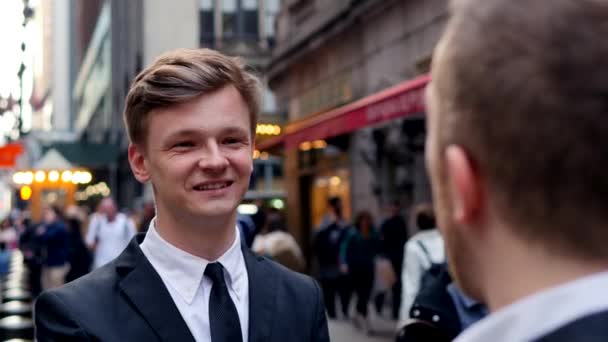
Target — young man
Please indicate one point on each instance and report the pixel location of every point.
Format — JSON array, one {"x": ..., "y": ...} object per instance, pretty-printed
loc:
[
  {"x": 517, "y": 151},
  {"x": 191, "y": 118}
]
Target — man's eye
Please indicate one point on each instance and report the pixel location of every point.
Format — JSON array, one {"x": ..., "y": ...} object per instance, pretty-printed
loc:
[
  {"x": 231, "y": 141},
  {"x": 183, "y": 144}
]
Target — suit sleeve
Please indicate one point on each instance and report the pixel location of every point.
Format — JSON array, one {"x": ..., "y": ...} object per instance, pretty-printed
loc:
[
  {"x": 320, "y": 332},
  {"x": 54, "y": 322}
]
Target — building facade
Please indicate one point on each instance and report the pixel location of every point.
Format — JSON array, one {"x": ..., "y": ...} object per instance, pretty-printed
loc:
[{"x": 350, "y": 75}]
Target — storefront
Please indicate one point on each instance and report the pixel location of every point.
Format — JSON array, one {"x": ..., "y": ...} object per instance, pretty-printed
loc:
[{"x": 325, "y": 153}]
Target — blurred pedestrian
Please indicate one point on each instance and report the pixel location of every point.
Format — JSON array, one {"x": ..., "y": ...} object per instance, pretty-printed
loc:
[
  {"x": 422, "y": 250},
  {"x": 147, "y": 214},
  {"x": 30, "y": 245},
  {"x": 516, "y": 150},
  {"x": 326, "y": 244},
  {"x": 54, "y": 238},
  {"x": 357, "y": 254},
  {"x": 109, "y": 233},
  {"x": 275, "y": 242},
  {"x": 393, "y": 233},
  {"x": 79, "y": 256}
]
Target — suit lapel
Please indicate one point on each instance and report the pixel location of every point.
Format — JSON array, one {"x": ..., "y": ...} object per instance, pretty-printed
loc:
[
  {"x": 262, "y": 296},
  {"x": 146, "y": 291}
]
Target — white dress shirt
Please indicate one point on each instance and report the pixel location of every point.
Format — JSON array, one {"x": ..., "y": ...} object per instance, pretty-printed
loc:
[
  {"x": 540, "y": 314},
  {"x": 182, "y": 274}
]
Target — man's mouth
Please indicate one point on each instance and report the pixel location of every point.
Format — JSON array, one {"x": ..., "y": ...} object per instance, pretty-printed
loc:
[{"x": 213, "y": 186}]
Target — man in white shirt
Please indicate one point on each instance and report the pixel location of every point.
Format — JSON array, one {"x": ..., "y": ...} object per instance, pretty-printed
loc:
[
  {"x": 191, "y": 119},
  {"x": 516, "y": 150},
  {"x": 109, "y": 233}
]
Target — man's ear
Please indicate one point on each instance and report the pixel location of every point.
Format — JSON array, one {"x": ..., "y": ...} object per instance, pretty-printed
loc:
[
  {"x": 138, "y": 163},
  {"x": 466, "y": 186}
]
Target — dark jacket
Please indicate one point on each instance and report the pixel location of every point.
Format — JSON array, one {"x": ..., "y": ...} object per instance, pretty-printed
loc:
[
  {"x": 126, "y": 300},
  {"x": 56, "y": 244},
  {"x": 326, "y": 243},
  {"x": 359, "y": 252},
  {"x": 393, "y": 232}
]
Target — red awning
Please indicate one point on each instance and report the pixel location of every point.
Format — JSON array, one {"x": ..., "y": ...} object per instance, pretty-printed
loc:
[{"x": 403, "y": 99}]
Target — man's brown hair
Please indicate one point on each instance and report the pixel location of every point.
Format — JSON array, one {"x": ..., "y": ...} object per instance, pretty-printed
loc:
[
  {"x": 524, "y": 89},
  {"x": 180, "y": 76}
]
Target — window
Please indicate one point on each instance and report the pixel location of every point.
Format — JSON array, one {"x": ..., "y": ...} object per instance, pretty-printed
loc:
[
  {"x": 229, "y": 18},
  {"x": 270, "y": 15},
  {"x": 250, "y": 18},
  {"x": 207, "y": 23}
]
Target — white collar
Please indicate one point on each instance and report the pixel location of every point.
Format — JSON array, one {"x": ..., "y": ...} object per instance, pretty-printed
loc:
[
  {"x": 184, "y": 271},
  {"x": 539, "y": 314}
]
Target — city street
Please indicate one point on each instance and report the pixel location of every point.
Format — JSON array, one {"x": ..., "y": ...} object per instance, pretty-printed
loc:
[{"x": 344, "y": 331}]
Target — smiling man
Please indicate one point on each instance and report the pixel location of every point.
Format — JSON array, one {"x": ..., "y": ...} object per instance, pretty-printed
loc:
[
  {"x": 191, "y": 119},
  {"x": 517, "y": 150}
]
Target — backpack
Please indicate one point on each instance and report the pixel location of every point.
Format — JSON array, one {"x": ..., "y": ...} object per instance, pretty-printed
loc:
[{"x": 434, "y": 313}]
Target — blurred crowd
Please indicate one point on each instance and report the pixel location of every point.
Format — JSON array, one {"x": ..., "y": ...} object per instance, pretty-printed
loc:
[{"x": 398, "y": 262}]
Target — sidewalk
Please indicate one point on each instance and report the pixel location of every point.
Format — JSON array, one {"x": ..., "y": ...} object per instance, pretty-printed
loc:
[{"x": 344, "y": 331}]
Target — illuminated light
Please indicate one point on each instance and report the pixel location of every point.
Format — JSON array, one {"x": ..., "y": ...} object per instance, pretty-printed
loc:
[
  {"x": 40, "y": 176},
  {"x": 305, "y": 146},
  {"x": 86, "y": 177},
  {"x": 28, "y": 178},
  {"x": 277, "y": 203},
  {"x": 264, "y": 155},
  {"x": 247, "y": 209},
  {"x": 268, "y": 129},
  {"x": 335, "y": 181},
  {"x": 18, "y": 178},
  {"x": 105, "y": 192},
  {"x": 76, "y": 177},
  {"x": 66, "y": 176},
  {"x": 319, "y": 144},
  {"x": 53, "y": 176},
  {"x": 256, "y": 154},
  {"x": 25, "y": 192}
]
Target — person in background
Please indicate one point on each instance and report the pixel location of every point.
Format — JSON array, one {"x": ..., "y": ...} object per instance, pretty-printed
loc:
[
  {"x": 148, "y": 212},
  {"x": 109, "y": 233},
  {"x": 276, "y": 243},
  {"x": 79, "y": 256},
  {"x": 31, "y": 247},
  {"x": 421, "y": 251},
  {"x": 357, "y": 254},
  {"x": 259, "y": 218},
  {"x": 54, "y": 238},
  {"x": 393, "y": 233},
  {"x": 8, "y": 242},
  {"x": 326, "y": 244}
]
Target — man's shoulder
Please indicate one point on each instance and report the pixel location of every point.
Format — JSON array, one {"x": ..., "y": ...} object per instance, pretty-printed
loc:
[
  {"x": 289, "y": 278},
  {"x": 590, "y": 328}
]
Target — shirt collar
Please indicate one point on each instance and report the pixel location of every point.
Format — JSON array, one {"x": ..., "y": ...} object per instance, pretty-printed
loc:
[
  {"x": 184, "y": 271},
  {"x": 540, "y": 314}
]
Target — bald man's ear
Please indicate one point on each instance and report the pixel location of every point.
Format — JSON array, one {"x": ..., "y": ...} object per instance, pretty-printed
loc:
[
  {"x": 138, "y": 163},
  {"x": 466, "y": 186}
]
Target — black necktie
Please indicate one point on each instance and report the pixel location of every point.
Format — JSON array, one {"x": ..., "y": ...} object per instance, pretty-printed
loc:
[{"x": 223, "y": 317}]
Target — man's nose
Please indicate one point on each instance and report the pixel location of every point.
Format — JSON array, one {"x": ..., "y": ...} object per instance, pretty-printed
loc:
[{"x": 212, "y": 158}]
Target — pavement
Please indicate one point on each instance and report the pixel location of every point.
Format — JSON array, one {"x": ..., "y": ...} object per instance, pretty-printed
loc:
[{"x": 342, "y": 330}]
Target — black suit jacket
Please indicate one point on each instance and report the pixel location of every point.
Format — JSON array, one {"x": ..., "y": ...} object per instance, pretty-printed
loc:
[
  {"x": 591, "y": 328},
  {"x": 126, "y": 300}
]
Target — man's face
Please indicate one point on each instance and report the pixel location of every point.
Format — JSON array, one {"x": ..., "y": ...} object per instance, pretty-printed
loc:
[
  {"x": 458, "y": 246},
  {"x": 199, "y": 156}
]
